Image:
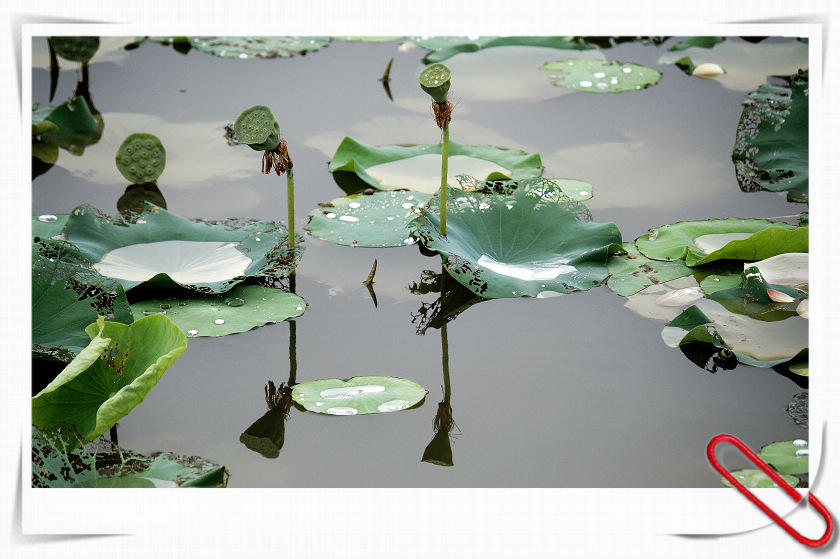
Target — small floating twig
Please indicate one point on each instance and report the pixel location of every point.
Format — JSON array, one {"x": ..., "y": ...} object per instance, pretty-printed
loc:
[{"x": 372, "y": 273}]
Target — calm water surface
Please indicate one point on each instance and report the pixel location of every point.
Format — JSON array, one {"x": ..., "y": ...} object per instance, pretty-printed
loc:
[{"x": 572, "y": 391}]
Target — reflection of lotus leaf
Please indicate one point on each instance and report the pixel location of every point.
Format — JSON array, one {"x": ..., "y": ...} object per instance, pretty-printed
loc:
[
  {"x": 371, "y": 220},
  {"x": 529, "y": 241},
  {"x": 163, "y": 247},
  {"x": 358, "y": 395},
  {"x": 447, "y": 46},
  {"x": 601, "y": 76},
  {"x": 771, "y": 146}
]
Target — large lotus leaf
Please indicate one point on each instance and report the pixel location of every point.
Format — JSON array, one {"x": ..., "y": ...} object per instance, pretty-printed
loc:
[
  {"x": 789, "y": 269},
  {"x": 68, "y": 295},
  {"x": 771, "y": 145},
  {"x": 530, "y": 241},
  {"x": 601, "y": 76},
  {"x": 164, "y": 248},
  {"x": 418, "y": 167},
  {"x": 358, "y": 395},
  {"x": 631, "y": 272},
  {"x": 753, "y": 479},
  {"x": 761, "y": 343},
  {"x": 111, "y": 376},
  {"x": 788, "y": 457},
  {"x": 241, "y": 309},
  {"x": 56, "y": 464},
  {"x": 258, "y": 47},
  {"x": 368, "y": 220},
  {"x": 448, "y": 46},
  {"x": 701, "y": 242}
]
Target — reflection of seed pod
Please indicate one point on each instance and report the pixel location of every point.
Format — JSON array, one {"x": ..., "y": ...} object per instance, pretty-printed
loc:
[
  {"x": 435, "y": 81},
  {"x": 141, "y": 158},
  {"x": 258, "y": 128},
  {"x": 77, "y": 49}
]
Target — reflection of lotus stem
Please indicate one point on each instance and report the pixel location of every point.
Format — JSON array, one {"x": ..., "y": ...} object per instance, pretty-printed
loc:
[
  {"x": 290, "y": 199},
  {"x": 279, "y": 398}
]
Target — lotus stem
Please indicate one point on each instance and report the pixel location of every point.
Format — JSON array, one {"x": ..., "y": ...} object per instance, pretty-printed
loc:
[{"x": 444, "y": 173}]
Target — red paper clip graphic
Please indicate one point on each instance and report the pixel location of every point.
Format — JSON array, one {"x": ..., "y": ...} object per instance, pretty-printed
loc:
[{"x": 710, "y": 452}]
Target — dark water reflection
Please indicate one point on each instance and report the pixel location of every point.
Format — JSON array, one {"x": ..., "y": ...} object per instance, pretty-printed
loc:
[{"x": 563, "y": 392}]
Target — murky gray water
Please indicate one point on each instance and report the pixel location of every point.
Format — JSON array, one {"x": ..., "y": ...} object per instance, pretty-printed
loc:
[{"x": 573, "y": 391}]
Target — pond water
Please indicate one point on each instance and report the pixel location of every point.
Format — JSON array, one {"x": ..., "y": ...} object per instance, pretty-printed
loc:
[{"x": 569, "y": 391}]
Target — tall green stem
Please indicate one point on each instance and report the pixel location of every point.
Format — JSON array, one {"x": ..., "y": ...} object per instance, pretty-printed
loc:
[
  {"x": 290, "y": 200},
  {"x": 444, "y": 174}
]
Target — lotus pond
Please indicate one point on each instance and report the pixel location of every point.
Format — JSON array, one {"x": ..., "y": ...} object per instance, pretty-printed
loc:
[{"x": 617, "y": 273}]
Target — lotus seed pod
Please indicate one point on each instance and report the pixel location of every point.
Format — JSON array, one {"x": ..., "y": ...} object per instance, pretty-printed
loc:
[
  {"x": 77, "y": 49},
  {"x": 258, "y": 128},
  {"x": 141, "y": 158},
  {"x": 435, "y": 81}
]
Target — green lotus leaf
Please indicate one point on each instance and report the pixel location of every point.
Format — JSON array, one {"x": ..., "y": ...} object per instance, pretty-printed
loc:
[
  {"x": 531, "y": 240},
  {"x": 141, "y": 158},
  {"x": 358, "y": 395},
  {"x": 166, "y": 249},
  {"x": 699, "y": 42},
  {"x": 760, "y": 343},
  {"x": 111, "y": 376},
  {"x": 448, "y": 46},
  {"x": 241, "y": 309},
  {"x": 753, "y": 288},
  {"x": 754, "y": 479},
  {"x": 46, "y": 226},
  {"x": 798, "y": 409},
  {"x": 663, "y": 302},
  {"x": 601, "y": 76},
  {"x": 788, "y": 457},
  {"x": 56, "y": 463},
  {"x": 701, "y": 242},
  {"x": 258, "y": 47},
  {"x": 631, "y": 272},
  {"x": 72, "y": 119},
  {"x": 357, "y": 166},
  {"x": 68, "y": 295},
  {"x": 771, "y": 143},
  {"x": 77, "y": 49},
  {"x": 368, "y": 220}
]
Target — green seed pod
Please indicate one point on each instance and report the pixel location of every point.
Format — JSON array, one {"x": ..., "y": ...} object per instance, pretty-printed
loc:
[
  {"x": 435, "y": 81},
  {"x": 258, "y": 128},
  {"x": 77, "y": 49},
  {"x": 141, "y": 158}
]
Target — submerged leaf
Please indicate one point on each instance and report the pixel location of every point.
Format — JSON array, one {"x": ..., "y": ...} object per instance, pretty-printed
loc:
[
  {"x": 531, "y": 240},
  {"x": 358, "y": 395}
]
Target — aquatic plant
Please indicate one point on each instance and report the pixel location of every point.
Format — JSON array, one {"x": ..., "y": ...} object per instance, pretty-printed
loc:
[
  {"x": 358, "y": 395},
  {"x": 601, "y": 76},
  {"x": 257, "y": 128},
  {"x": 141, "y": 158},
  {"x": 435, "y": 80}
]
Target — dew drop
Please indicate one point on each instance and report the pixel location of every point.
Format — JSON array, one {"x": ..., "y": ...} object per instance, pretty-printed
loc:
[
  {"x": 584, "y": 193},
  {"x": 149, "y": 313},
  {"x": 599, "y": 75},
  {"x": 340, "y": 410},
  {"x": 192, "y": 332},
  {"x": 257, "y": 239},
  {"x": 319, "y": 403},
  {"x": 392, "y": 405},
  {"x": 234, "y": 302},
  {"x": 803, "y": 452},
  {"x": 165, "y": 306},
  {"x": 800, "y": 442},
  {"x": 586, "y": 83},
  {"x": 47, "y": 218},
  {"x": 390, "y": 218},
  {"x": 408, "y": 205},
  {"x": 348, "y": 218},
  {"x": 354, "y": 205},
  {"x": 602, "y": 85},
  {"x": 627, "y": 70},
  {"x": 219, "y": 321},
  {"x": 300, "y": 308},
  {"x": 330, "y": 215}
]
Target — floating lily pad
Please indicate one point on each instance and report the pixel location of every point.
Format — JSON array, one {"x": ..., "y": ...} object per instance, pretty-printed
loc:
[
  {"x": 241, "y": 309},
  {"x": 68, "y": 295},
  {"x": 665, "y": 301},
  {"x": 632, "y": 272},
  {"x": 530, "y": 241},
  {"x": 447, "y": 46},
  {"x": 760, "y": 343},
  {"x": 56, "y": 464},
  {"x": 788, "y": 457},
  {"x": 700, "y": 42},
  {"x": 167, "y": 249},
  {"x": 368, "y": 220},
  {"x": 756, "y": 291},
  {"x": 111, "y": 376},
  {"x": 754, "y": 479},
  {"x": 701, "y": 242},
  {"x": 771, "y": 144},
  {"x": 601, "y": 76},
  {"x": 358, "y": 395},
  {"x": 258, "y": 47},
  {"x": 418, "y": 167}
]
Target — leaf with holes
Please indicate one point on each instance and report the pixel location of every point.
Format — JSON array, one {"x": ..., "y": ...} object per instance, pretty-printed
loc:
[
  {"x": 110, "y": 377},
  {"x": 358, "y": 395},
  {"x": 166, "y": 249},
  {"x": 357, "y": 166},
  {"x": 368, "y": 220},
  {"x": 530, "y": 239}
]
